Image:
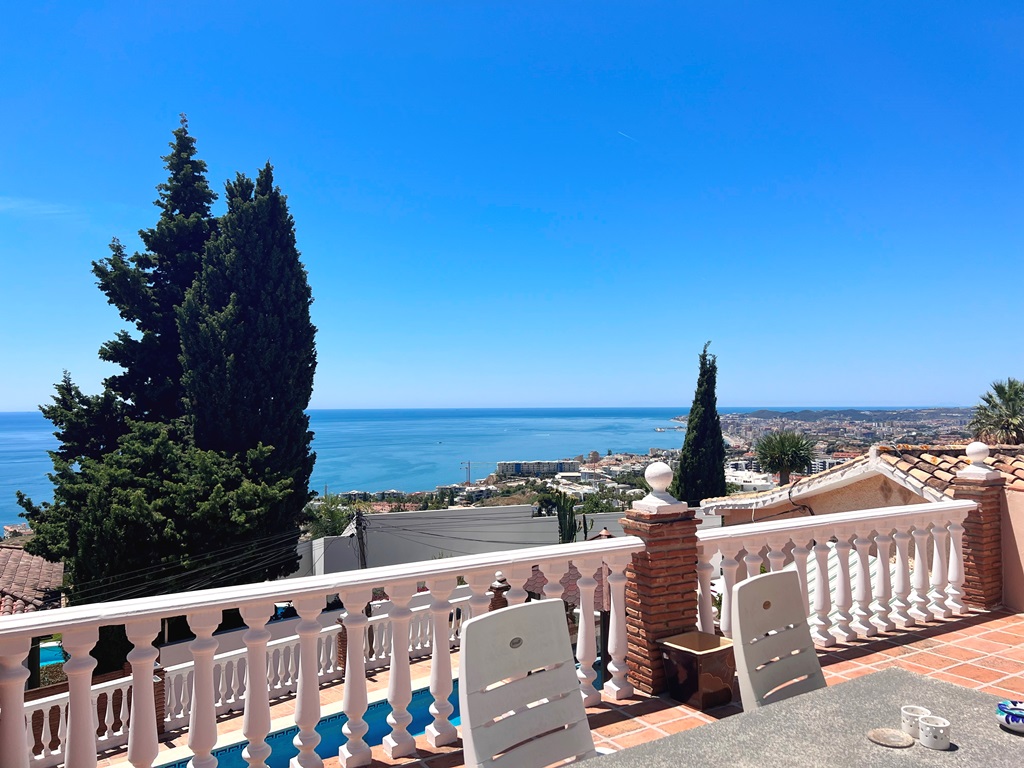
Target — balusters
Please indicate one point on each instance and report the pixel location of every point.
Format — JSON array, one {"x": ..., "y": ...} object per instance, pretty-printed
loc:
[
  {"x": 202, "y": 730},
  {"x": 275, "y": 669},
  {"x": 399, "y": 742},
  {"x": 821, "y": 626},
  {"x": 106, "y": 724},
  {"x": 81, "y": 739},
  {"x": 440, "y": 731},
  {"x": 919, "y": 595},
  {"x": 256, "y": 719},
  {"x": 956, "y": 569},
  {"x": 800, "y": 555},
  {"x": 861, "y": 623},
  {"x": 883, "y": 589},
  {"x": 901, "y": 604},
  {"x": 354, "y": 752},
  {"x": 844, "y": 599},
  {"x": 13, "y": 733},
  {"x": 241, "y": 684},
  {"x": 479, "y": 582},
  {"x": 516, "y": 594},
  {"x": 586, "y": 641},
  {"x": 940, "y": 574},
  {"x": 730, "y": 566},
  {"x": 619, "y": 686},
  {"x": 705, "y": 602},
  {"x": 753, "y": 561},
  {"x": 143, "y": 741},
  {"x": 776, "y": 557},
  {"x": 307, "y": 699}
]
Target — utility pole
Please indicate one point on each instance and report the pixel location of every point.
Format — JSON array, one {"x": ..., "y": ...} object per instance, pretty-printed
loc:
[
  {"x": 361, "y": 537},
  {"x": 469, "y": 466}
]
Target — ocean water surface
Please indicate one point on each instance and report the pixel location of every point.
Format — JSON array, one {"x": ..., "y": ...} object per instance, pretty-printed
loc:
[{"x": 407, "y": 449}]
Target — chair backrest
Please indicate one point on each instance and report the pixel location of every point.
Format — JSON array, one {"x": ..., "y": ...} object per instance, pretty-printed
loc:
[
  {"x": 519, "y": 697},
  {"x": 775, "y": 656}
]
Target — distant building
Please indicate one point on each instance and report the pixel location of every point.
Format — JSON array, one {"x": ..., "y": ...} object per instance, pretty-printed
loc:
[{"x": 535, "y": 468}]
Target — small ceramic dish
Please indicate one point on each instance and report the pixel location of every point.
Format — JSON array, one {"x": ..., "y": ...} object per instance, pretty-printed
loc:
[{"x": 1010, "y": 714}]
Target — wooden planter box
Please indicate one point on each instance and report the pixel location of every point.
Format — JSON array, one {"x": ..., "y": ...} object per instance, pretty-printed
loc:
[{"x": 699, "y": 669}]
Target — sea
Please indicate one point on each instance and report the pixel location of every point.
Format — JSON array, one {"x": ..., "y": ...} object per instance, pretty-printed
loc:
[{"x": 401, "y": 449}]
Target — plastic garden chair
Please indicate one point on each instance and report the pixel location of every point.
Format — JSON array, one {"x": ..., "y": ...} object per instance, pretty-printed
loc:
[
  {"x": 775, "y": 656},
  {"x": 519, "y": 696}
]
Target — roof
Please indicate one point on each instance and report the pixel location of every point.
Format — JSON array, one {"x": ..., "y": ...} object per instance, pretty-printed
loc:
[
  {"x": 27, "y": 582},
  {"x": 926, "y": 470}
]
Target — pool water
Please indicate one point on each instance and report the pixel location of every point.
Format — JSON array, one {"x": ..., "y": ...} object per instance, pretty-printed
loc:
[
  {"x": 50, "y": 654},
  {"x": 331, "y": 737}
]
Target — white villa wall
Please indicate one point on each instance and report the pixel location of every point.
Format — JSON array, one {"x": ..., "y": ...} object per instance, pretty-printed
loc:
[{"x": 405, "y": 537}]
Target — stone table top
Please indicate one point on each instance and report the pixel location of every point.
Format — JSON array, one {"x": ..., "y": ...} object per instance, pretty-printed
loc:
[{"x": 828, "y": 727}]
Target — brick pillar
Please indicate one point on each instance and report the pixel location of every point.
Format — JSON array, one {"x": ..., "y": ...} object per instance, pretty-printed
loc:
[
  {"x": 661, "y": 581},
  {"x": 499, "y": 587},
  {"x": 983, "y": 543}
]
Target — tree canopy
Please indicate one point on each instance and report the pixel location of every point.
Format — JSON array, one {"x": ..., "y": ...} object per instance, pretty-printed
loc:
[
  {"x": 701, "y": 473},
  {"x": 999, "y": 418},
  {"x": 784, "y": 452},
  {"x": 197, "y": 452}
]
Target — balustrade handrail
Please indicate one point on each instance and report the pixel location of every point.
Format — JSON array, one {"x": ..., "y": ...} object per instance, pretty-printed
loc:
[
  {"x": 39, "y": 623},
  {"x": 858, "y": 518}
]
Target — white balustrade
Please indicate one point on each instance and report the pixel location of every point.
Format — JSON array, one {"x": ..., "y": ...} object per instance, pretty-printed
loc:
[
  {"x": 198, "y": 691},
  {"x": 846, "y": 602}
]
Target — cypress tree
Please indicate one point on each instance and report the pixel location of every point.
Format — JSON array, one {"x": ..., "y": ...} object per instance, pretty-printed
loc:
[
  {"x": 248, "y": 346},
  {"x": 701, "y": 473},
  {"x": 147, "y": 288}
]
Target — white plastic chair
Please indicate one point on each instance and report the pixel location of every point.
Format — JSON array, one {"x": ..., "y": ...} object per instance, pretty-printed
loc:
[
  {"x": 775, "y": 657},
  {"x": 519, "y": 696}
]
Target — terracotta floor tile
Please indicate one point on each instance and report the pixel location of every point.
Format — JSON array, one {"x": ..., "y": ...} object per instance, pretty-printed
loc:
[
  {"x": 1003, "y": 693},
  {"x": 664, "y": 716},
  {"x": 1008, "y": 666},
  {"x": 616, "y": 729},
  {"x": 860, "y": 672},
  {"x": 642, "y": 736},
  {"x": 956, "y": 680},
  {"x": 1010, "y": 637},
  {"x": 1017, "y": 654},
  {"x": 684, "y": 724},
  {"x": 933, "y": 661},
  {"x": 962, "y": 650},
  {"x": 989, "y": 646},
  {"x": 978, "y": 673}
]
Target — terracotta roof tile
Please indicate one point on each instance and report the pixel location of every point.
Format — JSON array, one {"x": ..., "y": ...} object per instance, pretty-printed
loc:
[{"x": 27, "y": 582}]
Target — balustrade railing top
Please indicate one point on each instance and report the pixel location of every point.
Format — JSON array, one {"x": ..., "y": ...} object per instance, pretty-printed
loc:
[
  {"x": 860, "y": 520},
  {"x": 160, "y": 606}
]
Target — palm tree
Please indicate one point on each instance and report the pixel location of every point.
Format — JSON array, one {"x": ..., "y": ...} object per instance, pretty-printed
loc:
[
  {"x": 784, "y": 452},
  {"x": 999, "y": 418}
]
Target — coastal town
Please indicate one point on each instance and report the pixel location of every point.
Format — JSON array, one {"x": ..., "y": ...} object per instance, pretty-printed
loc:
[{"x": 610, "y": 480}]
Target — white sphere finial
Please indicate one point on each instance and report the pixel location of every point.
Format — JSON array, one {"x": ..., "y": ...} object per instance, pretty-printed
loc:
[
  {"x": 977, "y": 453},
  {"x": 659, "y": 476}
]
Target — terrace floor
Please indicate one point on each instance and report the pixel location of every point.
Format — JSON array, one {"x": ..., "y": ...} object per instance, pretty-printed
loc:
[{"x": 982, "y": 650}]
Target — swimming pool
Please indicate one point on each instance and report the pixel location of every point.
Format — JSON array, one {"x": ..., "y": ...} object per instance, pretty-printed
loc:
[
  {"x": 331, "y": 737},
  {"x": 50, "y": 653}
]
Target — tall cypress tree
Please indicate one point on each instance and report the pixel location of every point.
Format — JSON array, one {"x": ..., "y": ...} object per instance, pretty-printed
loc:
[
  {"x": 248, "y": 343},
  {"x": 701, "y": 473},
  {"x": 147, "y": 288}
]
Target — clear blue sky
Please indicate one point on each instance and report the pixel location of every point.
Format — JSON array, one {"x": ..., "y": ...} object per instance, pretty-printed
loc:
[{"x": 548, "y": 204}]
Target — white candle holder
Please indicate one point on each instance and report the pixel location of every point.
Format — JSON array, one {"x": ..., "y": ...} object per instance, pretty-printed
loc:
[
  {"x": 934, "y": 732},
  {"x": 910, "y": 717}
]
